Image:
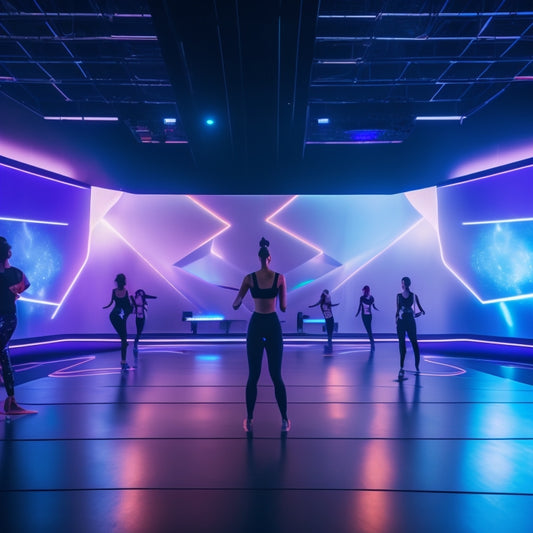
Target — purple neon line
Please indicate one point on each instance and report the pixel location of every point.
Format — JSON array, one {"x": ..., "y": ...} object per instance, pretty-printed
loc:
[
  {"x": 78, "y": 274},
  {"x": 353, "y": 142},
  {"x": 213, "y": 214},
  {"x": 33, "y": 301},
  {"x": 485, "y": 177},
  {"x": 205, "y": 318},
  {"x": 440, "y": 117},
  {"x": 503, "y": 221},
  {"x": 31, "y": 221},
  {"x": 458, "y": 368},
  {"x": 44, "y": 177},
  {"x": 289, "y": 339},
  {"x": 142, "y": 257},
  {"x": 443, "y": 14},
  {"x": 401, "y": 236},
  {"x": 88, "y": 119},
  {"x": 293, "y": 235}
]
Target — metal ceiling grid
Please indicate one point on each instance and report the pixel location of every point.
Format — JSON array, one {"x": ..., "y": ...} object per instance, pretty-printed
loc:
[
  {"x": 415, "y": 58},
  {"x": 89, "y": 58}
]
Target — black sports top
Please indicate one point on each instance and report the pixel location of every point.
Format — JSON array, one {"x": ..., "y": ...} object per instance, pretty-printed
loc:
[
  {"x": 12, "y": 282},
  {"x": 121, "y": 304},
  {"x": 406, "y": 305},
  {"x": 271, "y": 292}
]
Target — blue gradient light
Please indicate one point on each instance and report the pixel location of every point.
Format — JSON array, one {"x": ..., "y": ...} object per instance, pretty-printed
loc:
[
  {"x": 504, "y": 257},
  {"x": 207, "y": 357},
  {"x": 204, "y": 318},
  {"x": 506, "y": 314},
  {"x": 303, "y": 283},
  {"x": 210, "y": 122}
]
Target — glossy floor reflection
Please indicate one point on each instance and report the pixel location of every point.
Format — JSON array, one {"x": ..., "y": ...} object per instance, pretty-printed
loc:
[{"x": 161, "y": 447}]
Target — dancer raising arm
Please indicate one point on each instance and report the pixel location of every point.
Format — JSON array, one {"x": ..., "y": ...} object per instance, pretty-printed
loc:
[{"x": 325, "y": 307}]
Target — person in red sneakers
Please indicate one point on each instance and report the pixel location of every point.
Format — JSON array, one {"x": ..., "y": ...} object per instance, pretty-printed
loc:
[{"x": 12, "y": 283}]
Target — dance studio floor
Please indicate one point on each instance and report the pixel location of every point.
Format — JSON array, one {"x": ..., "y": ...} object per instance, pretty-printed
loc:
[{"x": 161, "y": 448}]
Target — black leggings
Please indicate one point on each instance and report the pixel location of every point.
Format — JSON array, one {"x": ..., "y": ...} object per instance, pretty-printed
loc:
[
  {"x": 264, "y": 332},
  {"x": 403, "y": 326},
  {"x": 330, "y": 323},
  {"x": 119, "y": 324},
  {"x": 139, "y": 323},
  {"x": 7, "y": 327},
  {"x": 367, "y": 321}
]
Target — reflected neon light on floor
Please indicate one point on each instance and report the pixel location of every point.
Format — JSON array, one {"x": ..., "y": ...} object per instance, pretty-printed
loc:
[
  {"x": 67, "y": 372},
  {"x": 456, "y": 370}
]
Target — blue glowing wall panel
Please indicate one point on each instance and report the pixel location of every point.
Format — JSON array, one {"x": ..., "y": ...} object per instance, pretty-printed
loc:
[
  {"x": 466, "y": 246},
  {"x": 486, "y": 232},
  {"x": 46, "y": 221}
]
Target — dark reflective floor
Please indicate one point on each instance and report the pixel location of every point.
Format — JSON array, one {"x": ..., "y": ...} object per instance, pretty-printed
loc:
[{"x": 161, "y": 447}]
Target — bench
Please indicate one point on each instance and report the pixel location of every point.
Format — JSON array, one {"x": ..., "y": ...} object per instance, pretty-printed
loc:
[
  {"x": 302, "y": 319},
  {"x": 225, "y": 323}
]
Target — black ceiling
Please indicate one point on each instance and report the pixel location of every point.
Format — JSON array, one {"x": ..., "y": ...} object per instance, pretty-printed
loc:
[{"x": 283, "y": 80}]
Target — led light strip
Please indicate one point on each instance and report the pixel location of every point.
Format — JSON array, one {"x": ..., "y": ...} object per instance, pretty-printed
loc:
[
  {"x": 291, "y": 339},
  {"x": 213, "y": 214},
  {"x": 285, "y": 230},
  {"x": 502, "y": 221},
  {"x": 45, "y": 177},
  {"x": 31, "y": 221}
]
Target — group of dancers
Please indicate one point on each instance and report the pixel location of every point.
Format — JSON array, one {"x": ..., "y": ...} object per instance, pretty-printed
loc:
[
  {"x": 407, "y": 304},
  {"x": 125, "y": 305},
  {"x": 266, "y": 286}
]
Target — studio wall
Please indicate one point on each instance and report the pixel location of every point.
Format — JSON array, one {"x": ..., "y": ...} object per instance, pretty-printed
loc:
[{"x": 466, "y": 245}]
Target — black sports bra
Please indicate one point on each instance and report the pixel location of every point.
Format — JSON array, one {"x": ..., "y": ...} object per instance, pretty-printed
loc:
[{"x": 271, "y": 292}]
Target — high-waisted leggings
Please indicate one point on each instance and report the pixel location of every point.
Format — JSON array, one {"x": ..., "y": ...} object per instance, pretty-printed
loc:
[
  {"x": 367, "y": 321},
  {"x": 7, "y": 327},
  {"x": 139, "y": 324},
  {"x": 403, "y": 326},
  {"x": 330, "y": 324},
  {"x": 264, "y": 333},
  {"x": 119, "y": 323}
]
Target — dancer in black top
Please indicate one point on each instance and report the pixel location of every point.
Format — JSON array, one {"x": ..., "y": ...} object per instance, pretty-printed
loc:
[
  {"x": 264, "y": 333},
  {"x": 325, "y": 307},
  {"x": 366, "y": 302},
  {"x": 12, "y": 283},
  {"x": 139, "y": 304},
  {"x": 406, "y": 303},
  {"x": 119, "y": 315}
]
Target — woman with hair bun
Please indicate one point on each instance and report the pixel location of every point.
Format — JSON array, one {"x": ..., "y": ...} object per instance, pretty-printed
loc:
[
  {"x": 119, "y": 315},
  {"x": 406, "y": 303},
  {"x": 264, "y": 333}
]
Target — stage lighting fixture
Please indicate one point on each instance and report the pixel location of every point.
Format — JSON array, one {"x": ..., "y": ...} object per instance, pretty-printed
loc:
[{"x": 210, "y": 122}]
